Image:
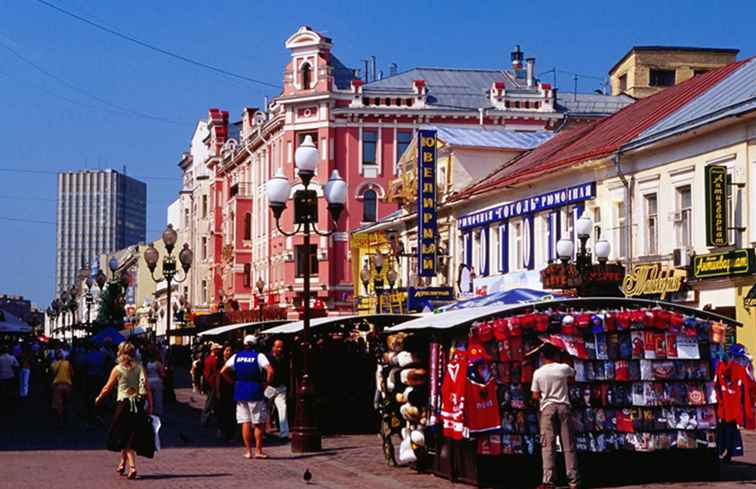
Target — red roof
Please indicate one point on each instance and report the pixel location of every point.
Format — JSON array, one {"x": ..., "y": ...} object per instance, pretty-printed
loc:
[{"x": 601, "y": 138}]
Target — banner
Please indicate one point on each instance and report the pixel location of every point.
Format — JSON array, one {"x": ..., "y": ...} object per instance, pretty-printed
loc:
[
  {"x": 426, "y": 203},
  {"x": 420, "y": 298},
  {"x": 716, "y": 205}
]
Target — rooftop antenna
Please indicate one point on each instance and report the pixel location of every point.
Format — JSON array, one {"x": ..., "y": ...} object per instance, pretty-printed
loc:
[
  {"x": 372, "y": 73},
  {"x": 124, "y": 169},
  {"x": 576, "y": 81},
  {"x": 366, "y": 71}
]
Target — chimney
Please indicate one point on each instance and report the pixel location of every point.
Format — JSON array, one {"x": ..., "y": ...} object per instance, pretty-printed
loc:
[
  {"x": 366, "y": 71},
  {"x": 517, "y": 58},
  {"x": 530, "y": 67},
  {"x": 372, "y": 71},
  {"x": 393, "y": 69}
]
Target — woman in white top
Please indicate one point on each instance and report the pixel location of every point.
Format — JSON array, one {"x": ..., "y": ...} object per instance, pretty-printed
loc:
[{"x": 155, "y": 377}]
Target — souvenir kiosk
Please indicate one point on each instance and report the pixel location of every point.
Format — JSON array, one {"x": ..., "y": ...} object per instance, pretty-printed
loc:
[{"x": 454, "y": 390}]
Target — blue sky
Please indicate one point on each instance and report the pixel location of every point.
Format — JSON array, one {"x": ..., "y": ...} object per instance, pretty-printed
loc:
[{"x": 89, "y": 109}]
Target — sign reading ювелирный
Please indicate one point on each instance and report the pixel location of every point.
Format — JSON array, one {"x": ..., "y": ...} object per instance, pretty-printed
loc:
[
  {"x": 716, "y": 205},
  {"x": 426, "y": 203}
]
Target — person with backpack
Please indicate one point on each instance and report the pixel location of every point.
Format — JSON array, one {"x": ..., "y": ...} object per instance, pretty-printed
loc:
[{"x": 253, "y": 373}]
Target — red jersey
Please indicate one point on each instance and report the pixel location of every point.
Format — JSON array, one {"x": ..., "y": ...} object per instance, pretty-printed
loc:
[
  {"x": 453, "y": 397},
  {"x": 733, "y": 389},
  {"x": 481, "y": 407}
]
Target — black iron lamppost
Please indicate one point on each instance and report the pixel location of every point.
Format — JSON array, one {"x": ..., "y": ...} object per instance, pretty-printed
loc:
[
  {"x": 260, "y": 284},
  {"x": 305, "y": 435},
  {"x": 151, "y": 256},
  {"x": 378, "y": 281},
  {"x": 365, "y": 279},
  {"x": 583, "y": 259},
  {"x": 89, "y": 299}
]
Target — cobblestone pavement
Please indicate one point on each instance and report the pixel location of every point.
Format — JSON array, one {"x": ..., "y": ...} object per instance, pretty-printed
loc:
[{"x": 35, "y": 453}]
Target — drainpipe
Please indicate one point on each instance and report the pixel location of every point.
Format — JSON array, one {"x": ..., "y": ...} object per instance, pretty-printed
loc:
[{"x": 629, "y": 187}]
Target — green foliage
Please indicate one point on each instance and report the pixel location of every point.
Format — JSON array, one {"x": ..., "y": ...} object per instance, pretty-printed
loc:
[{"x": 111, "y": 310}]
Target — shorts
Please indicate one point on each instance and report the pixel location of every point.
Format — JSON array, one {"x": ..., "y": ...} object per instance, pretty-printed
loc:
[
  {"x": 255, "y": 412},
  {"x": 60, "y": 394}
]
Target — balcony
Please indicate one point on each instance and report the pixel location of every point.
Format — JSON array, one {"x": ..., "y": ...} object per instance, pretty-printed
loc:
[{"x": 241, "y": 190}]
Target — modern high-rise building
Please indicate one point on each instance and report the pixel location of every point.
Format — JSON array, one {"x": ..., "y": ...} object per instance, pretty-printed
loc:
[{"x": 99, "y": 211}]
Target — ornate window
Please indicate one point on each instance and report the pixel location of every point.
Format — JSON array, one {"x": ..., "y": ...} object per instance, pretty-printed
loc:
[
  {"x": 369, "y": 206},
  {"x": 306, "y": 72}
]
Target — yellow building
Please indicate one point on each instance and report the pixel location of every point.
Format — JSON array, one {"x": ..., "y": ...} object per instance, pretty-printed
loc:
[{"x": 646, "y": 70}]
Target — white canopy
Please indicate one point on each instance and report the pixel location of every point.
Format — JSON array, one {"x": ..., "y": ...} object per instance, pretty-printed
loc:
[
  {"x": 450, "y": 319},
  {"x": 298, "y": 326},
  {"x": 231, "y": 327},
  {"x": 12, "y": 324}
]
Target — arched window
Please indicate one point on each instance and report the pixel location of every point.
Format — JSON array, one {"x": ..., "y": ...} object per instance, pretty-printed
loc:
[
  {"x": 306, "y": 76},
  {"x": 247, "y": 226},
  {"x": 369, "y": 206}
]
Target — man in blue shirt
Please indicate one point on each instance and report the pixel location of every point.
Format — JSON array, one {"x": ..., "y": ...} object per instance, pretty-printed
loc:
[{"x": 253, "y": 373}]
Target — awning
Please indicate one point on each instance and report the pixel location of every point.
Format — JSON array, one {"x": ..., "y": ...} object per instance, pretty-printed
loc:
[
  {"x": 296, "y": 327},
  {"x": 507, "y": 297},
  {"x": 232, "y": 327},
  {"x": 11, "y": 324},
  {"x": 461, "y": 317}
]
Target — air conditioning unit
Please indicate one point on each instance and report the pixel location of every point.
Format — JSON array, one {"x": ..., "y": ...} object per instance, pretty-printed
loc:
[{"x": 681, "y": 257}]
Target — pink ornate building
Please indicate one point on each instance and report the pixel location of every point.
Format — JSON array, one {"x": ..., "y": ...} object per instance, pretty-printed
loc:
[{"x": 361, "y": 127}]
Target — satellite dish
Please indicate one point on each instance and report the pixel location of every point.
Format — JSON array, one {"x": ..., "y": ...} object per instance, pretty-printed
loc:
[{"x": 260, "y": 118}]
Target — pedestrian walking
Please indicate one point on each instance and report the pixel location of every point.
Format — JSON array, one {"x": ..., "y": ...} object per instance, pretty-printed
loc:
[
  {"x": 253, "y": 372},
  {"x": 549, "y": 388},
  {"x": 8, "y": 367},
  {"x": 26, "y": 360},
  {"x": 94, "y": 369},
  {"x": 277, "y": 390},
  {"x": 130, "y": 432},
  {"x": 155, "y": 377},
  {"x": 226, "y": 404},
  {"x": 62, "y": 385},
  {"x": 210, "y": 372}
]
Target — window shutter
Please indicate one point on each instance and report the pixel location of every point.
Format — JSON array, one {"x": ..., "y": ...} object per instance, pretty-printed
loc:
[
  {"x": 485, "y": 249},
  {"x": 504, "y": 247}
]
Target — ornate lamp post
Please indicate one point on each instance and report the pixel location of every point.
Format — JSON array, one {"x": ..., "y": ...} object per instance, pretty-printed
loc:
[
  {"x": 305, "y": 435},
  {"x": 260, "y": 284},
  {"x": 89, "y": 299},
  {"x": 583, "y": 259},
  {"x": 151, "y": 256},
  {"x": 378, "y": 281}
]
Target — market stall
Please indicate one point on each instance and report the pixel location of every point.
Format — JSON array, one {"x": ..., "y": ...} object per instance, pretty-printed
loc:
[{"x": 455, "y": 389}]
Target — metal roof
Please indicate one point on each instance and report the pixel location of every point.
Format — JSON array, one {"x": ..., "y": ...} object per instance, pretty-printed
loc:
[
  {"x": 736, "y": 94},
  {"x": 482, "y": 137},
  {"x": 467, "y": 89}
]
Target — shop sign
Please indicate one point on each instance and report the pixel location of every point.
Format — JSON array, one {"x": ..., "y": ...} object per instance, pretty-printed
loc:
[
  {"x": 531, "y": 205},
  {"x": 560, "y": 276},
  {"x": 652, "y": 279},
  {"x": 426, "y": 203},
  {"x": 716, "y": 205},
  {"x": 418, "y": 299},
  {"x": 724, "y": 264}
]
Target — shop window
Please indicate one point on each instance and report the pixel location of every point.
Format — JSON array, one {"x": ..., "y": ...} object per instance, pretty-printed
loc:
[
  {"x": 300, "y": 257},
  {"x": 652, "y": 222},
  {"x": 369, "y": 147},
  {"x": 306, "y": 72},
  {"x": 369, "y": 206},
  {"x": 247, "y": 226},
  {"x": 662, "y": 78},
  {"x": 683, "y": 216}
]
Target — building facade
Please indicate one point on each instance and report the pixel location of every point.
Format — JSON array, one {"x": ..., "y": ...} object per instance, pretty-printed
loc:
[
  {"x": 98, "y": 211},
  {"x": 361, "y": 125},
  {"x": 646, "y": 70}
]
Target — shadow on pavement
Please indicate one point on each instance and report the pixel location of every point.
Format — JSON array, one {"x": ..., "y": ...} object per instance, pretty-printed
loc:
[{"x": 181, "y": 476}]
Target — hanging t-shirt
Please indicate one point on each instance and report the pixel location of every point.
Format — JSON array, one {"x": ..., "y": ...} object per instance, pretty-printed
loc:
[
  {"x": 481, "y": 407},
  {"x": 453, "y": 392}
]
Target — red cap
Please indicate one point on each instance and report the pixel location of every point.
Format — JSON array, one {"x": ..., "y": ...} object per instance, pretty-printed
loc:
[
  {"x": 568, "y": 325},
  {"x": 623, "y": 320},
  {"x": 676, "y": 321},
  {"x": 541, "y": 322},
  {"x": 515, "y": 326},
  {"x": 637, "y": 317},
  {"x": 583, "y": 320},
  {"x": 648, "y": 318},
  {"x": 527, "y": 321},
  {"x": 610, "y": 322},
  {"x": 661, "y": 319}
]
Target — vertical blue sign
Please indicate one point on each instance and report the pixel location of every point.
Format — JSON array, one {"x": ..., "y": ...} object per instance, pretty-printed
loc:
[{"x": 426, "y": 203}]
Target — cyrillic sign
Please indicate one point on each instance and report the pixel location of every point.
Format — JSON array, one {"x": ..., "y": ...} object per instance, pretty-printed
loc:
[
  {"x": 716, "y": 205},
  {"x": 652, "y": 279},
  {"x": 426, "y": 203},
  {"x": 725, "y": 264},
  {"x": 550, "y": 200}
]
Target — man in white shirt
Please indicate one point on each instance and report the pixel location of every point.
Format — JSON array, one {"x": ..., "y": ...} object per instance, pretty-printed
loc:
[
  {"x": 550, "y": 388},
  {"x": 8, "y": 367}
]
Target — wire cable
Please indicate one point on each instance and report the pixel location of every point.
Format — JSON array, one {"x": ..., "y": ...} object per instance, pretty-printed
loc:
[
  {"x": 85, "y": 92},
  {"x": 155, "y": 48}
]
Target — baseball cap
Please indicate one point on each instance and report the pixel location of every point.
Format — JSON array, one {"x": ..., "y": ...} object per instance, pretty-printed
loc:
[{"x": 250, "y": 339}]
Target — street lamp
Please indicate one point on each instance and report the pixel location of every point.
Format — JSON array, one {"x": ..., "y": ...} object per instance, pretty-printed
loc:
[
  {"x": 151, "y": 256},
  {"x": 89, "y": 301},
  {"x": 305, "y": 435},
  {"x": 260, "y": 284},
  {"x": 378, "y": 281}
]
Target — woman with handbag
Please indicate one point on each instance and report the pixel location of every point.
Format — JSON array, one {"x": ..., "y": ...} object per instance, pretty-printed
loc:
[{"x": 130, "y": 432}]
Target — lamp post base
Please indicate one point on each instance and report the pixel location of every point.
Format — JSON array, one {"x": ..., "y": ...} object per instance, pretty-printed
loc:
[{"x": 305, "y": 434}]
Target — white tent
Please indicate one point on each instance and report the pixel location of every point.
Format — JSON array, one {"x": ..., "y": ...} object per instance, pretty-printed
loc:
[
  {"x": 296, "y": 327},
  {"x": 12, "y": 324},
  {"x": 231, "y": 327},
  {"x": 449, "y": 319}
]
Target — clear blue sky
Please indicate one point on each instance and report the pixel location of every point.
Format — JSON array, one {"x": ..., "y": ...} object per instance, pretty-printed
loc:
[{"x": 84, "y": 114}]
